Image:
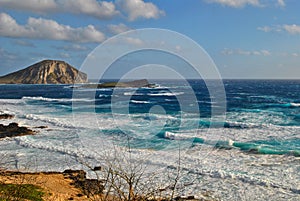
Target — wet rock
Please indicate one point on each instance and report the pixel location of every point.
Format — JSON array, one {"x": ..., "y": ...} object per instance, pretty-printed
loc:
[
  {"x": 41, "y": 127},
  {"x": 97, "y": 168},
  {"x": 6, "y": 116},
  {"x": 13, "y": 130}
]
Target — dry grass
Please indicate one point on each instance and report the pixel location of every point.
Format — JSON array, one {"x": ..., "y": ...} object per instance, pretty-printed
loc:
[{"x": 56, "y": 186}]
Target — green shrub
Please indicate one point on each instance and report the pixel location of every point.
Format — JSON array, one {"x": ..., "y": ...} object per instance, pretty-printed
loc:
[{"x": 20, "y": 192}]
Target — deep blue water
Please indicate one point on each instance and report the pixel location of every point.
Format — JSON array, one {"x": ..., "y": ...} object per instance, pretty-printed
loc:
[{"x": 272, "y": 106}]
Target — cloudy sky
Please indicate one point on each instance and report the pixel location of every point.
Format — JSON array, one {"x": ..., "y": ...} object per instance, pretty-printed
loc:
[{"x": 245, "y": 38}]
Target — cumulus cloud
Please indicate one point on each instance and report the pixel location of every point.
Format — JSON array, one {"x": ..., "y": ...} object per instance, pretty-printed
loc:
[
  {"x": 133, "y": 9},
  {"x": 118, "y": 28},
  {"x": 98, "y": 9},
  {"x": 30, "y": 5},
  {"x": 136, "y": 9},
  {"x": 39, "y": 28},
  {"x": 236, "y": 3},
  {"x": 227, "y": 51}
]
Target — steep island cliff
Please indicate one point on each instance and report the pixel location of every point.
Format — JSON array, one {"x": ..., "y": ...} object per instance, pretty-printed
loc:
[{"x": 46, "y": 72}]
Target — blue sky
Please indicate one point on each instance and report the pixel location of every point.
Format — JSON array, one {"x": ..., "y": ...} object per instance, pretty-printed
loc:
[{"x": 245, "y": 38}]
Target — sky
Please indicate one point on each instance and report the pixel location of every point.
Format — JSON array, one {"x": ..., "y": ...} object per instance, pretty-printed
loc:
[{"x": 245, "y": 38}]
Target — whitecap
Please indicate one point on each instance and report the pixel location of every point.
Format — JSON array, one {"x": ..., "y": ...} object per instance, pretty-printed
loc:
[
  {"x": 140, "y": 102},
  {"x": 133, "y": 93},
  {"x": 295, "y": 104},
  {"x": 40, "y": 98},
  {"x": 167, "y": 94}
]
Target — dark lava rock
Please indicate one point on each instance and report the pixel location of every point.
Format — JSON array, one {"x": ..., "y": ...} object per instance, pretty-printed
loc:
[
  {"x": 97, "y": 168},
  {"x": 41, "y": 127},
  {"x": 88, "y": 187},
  {"x": 6, "y": 116},
  {"x": 13, "y": 130}
]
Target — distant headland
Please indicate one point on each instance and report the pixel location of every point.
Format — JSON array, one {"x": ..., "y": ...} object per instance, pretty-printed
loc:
[
  {"x": 46, "y": 72},
  {"x": 135, "y": 84},
  {"x": 60, "y": 72}
]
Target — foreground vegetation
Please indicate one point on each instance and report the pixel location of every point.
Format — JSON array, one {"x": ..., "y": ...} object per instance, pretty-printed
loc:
[{"x": 19, "y": 192}]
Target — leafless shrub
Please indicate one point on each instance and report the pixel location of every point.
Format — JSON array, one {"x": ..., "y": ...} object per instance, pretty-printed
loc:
[{"x": 127, "y": 178}]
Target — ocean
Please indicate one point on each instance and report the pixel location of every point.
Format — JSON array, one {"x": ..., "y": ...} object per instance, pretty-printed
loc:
[{"x": 249, "y": 152}]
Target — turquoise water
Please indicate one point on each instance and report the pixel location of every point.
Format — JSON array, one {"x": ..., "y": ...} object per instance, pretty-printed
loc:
[{"x": 269, "y": 107}]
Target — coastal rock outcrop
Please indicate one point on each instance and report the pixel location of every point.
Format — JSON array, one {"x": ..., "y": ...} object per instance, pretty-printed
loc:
[
  {"x": 13, "y": 130},
  {"x": 6, "y": 116},
  {"x": 46, "y": 72}
]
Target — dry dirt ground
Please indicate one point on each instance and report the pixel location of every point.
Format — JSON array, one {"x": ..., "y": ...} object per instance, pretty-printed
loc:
[{"x": 57, "y": 186}]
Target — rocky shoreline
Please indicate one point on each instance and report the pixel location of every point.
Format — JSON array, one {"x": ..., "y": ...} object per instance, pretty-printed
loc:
[
  {"x": 13, "y": 129},
  {"x": 68, "y": 185}
]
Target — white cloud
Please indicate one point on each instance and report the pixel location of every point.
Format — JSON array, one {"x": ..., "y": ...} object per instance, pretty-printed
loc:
[
  {"x": 30, "y": 5},
  {"x": 227, "y": 51},
  {"x": 133, "y": 41},
  {"x": 265, "y": 52},
  {"x": 291, "y": 29},
  {"x": 265, "y": 28},
  {"x": 73, "y": 47},
  {"x": 99, "y": 9},
  {"x": 135, "y": 9},
  {"x": 127, "y": 41},
  {"x": 281, "y": 3},
  {"x": 243, "y": 3},
  {"x": 290, "y": 54},
  {"x": 236, "y": 3},
  {"x": 64, "y": 55},
  {"x": 243, "y": 52},
  {"x": 39, "y": 28},
  {"x": 119, "y": 28}
]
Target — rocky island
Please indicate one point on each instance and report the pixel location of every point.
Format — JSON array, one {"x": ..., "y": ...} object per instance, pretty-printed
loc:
[
  {"x": 46, "y": 72},
  {"x": 135, "y": 84}
]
